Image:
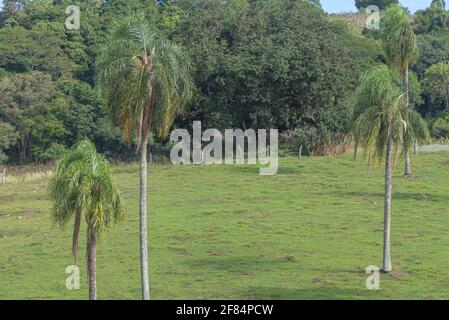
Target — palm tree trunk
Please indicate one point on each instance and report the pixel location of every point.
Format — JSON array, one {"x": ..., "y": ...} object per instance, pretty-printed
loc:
[
  {"x": 395, "y": 157},
  {"x": 408, "y": 169},
  {"x": 369, "y": 160},
  {"x": 92, "y": 265},
  {"x": 143, "y": 220},
  {"x": 387, "y": 205},
  {"x": 356, "y": 149},
  {"x": 76, "y": 232}
]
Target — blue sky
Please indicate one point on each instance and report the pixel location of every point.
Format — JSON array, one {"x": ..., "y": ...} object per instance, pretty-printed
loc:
[
  {"x": 348, "y": 5},
  {"x": 333, "y": 6}
]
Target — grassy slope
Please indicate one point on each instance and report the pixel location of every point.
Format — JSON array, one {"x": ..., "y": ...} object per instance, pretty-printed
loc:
[{"x": 225, "y": 232}]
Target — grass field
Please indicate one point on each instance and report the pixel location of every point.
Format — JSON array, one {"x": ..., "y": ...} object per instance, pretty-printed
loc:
[{"x": 224, "y": 232}]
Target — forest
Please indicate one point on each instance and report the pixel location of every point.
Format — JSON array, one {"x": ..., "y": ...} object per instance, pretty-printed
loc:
[{"x": 256, "y": 64}]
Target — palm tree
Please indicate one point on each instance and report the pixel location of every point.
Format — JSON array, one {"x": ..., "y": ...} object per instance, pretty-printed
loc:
[
  {"x": 146, "y": 82},
  {"x": 402, "y": 51},
  {"x": 83, "y": 186},
  {"x": 378, "y": 125}
]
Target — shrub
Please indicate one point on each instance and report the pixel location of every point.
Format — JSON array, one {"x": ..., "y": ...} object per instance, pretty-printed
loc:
[
  {"x": 440, "y": 128},
  {"x": 314, "y": 141}
]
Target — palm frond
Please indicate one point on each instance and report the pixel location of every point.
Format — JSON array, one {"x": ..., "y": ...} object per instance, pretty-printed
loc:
[
  {"x": 83, "y": 185},
  {"x": 145, "y": 79},
  {"x": 377, "y": 104},
  {"x": 400, "y": 43}
]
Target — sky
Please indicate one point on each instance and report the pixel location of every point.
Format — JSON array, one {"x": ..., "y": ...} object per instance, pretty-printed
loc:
[{"x": 335, "y": 6}]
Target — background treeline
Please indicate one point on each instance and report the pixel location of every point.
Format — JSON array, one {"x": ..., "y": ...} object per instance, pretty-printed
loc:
[{"x": 257, "y": 64}]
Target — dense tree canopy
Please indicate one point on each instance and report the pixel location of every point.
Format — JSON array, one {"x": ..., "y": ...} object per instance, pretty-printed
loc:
[
  {"x": 259, "y": 64},
  {"x": 437, "y": 82},
  {"x": 272, "y": 65},
  {"x": 433, "y": 18}
]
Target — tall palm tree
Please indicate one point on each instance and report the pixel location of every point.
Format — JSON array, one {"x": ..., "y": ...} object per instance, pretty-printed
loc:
[
  {"x": 402, "y": 51},
  {"x": 83, "y": 186},
  {"x": 378, "y": 125},
  {"x": 146, "y": 82}
]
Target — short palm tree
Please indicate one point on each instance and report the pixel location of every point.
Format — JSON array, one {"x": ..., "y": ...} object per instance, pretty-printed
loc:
[
  {"x": 402, "y": 51},
  {"x": 146, "y": 82},
  {"x": 378, "y": 125},
  {"x": 83, "y": 186}
]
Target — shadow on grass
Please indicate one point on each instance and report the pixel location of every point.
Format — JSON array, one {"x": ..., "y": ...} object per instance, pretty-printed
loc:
[
  {"x": 396, "y": 195},
  {"x": 242, "y": 265},
  {"x": 318, "y": 293}
]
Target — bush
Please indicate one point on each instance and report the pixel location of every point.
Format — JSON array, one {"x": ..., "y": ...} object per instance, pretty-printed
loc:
[
  {"x": 314, "y": 141},
  {"x": 440, "y": 128},
  {"x": 54, "y": 152},
  {"x": 3, "y": 157}
]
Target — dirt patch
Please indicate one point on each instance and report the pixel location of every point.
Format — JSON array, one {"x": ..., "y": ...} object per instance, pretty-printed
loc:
[
  {"x": 397, "y": 273},
  {"x": 215, "y": 254},
  {"x": 318, "y": 280},
  {"x": 290, "y": 258},
  {"x": 181, "y": 251},
  {"x": 28, "y": 212}
]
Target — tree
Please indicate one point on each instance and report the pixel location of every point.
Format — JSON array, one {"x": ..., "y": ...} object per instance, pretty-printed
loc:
[
  {"x": 24, "y": 97},
  {"x": 8, "y": 137},
  {"x": 437, "y": 82},
  {"x": 245, "y": 81},
  {"x": 315, "y": 3},
  {"x": 12, "y": 11},
  {"x": 438, "y": 4},
  {"x": 39, "y": 48},
  {"x": 382, "y": 4},
  {"x": 433, "y": 48},
  {"x": 146, "y": 82},
  {"x": 401, "y": 49},
  {"x": 378, "y": 125},
  {"x": 433, "y": 18},
  {"x": 83, "y": 186},
  {"x": 242, "y": 78}
]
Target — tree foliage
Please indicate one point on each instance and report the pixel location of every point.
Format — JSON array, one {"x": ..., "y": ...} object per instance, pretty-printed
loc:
[
  {"x": 259, "y": 64},
  {"x": 245, "y": 79},
  {"x": 437, "y": 83},
  {"x": 382, "y": 4},
  {"x": 433, "y": 18},
  {"x": 377, "y": 112},
  {"x": 83, "y": 186},
  {"x": 399, "y": 40},
  {"x": 144, "y": 78}
]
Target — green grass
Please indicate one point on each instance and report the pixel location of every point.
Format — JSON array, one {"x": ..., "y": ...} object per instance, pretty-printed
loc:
[{"x": 224, "y": 232}]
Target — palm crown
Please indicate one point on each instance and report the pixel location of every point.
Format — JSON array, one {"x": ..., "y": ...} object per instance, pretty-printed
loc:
[
  {"x": 400, "y": 44},
  {"x": 83, "y": 185},
  {"x": 377, "y": 111},
  {"x": 144, "y": 78}
]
